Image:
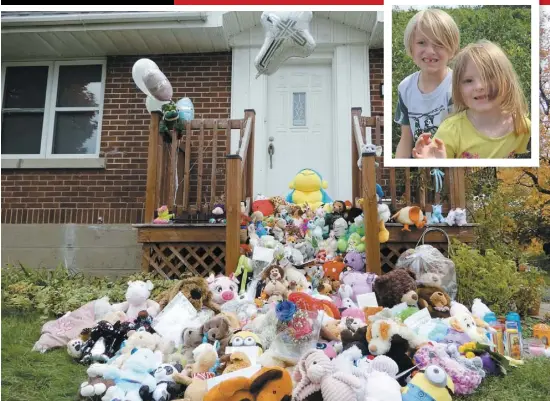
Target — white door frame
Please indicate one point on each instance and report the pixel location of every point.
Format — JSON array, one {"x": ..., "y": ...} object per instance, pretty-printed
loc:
[{"x": 350, "y": 88}]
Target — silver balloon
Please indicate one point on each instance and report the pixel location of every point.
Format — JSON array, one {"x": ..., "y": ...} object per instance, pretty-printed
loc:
[{"x": 287, "y": 35}]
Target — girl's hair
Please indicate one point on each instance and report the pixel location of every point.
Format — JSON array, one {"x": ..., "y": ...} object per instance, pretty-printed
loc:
[
  {"x": 435, "y": 24},
  {"x": 500, "y": 81}
]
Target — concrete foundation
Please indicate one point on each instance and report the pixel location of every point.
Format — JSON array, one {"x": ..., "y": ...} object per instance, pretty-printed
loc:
[{"x": 100, "y": 250}]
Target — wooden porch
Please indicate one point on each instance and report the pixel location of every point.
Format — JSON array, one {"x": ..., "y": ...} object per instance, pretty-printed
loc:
[{"x": 183, "y": 172}]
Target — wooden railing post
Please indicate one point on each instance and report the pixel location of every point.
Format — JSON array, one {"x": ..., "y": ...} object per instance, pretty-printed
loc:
[
  {"x": 370, "y": 212},
  {"x": 151, "y": 194},
  {"x": 250, "y": 113},
  {"x": 233, "y": 212},
  {"x": 355, "y": 178}
]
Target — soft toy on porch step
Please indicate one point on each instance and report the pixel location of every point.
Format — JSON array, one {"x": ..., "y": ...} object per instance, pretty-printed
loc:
[
  {"x": 308, "y": 187},
  {"x": 164, "y": 215},
  {"x": 410, "y": 215}
]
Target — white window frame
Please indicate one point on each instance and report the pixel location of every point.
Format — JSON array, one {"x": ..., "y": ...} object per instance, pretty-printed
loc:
[{"x": 50, "y": 107}]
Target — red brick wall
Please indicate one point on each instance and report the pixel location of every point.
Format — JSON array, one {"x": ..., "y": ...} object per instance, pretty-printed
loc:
[
  {"x": 117, "y": 192},
  {"x": 376, "y": 71}
]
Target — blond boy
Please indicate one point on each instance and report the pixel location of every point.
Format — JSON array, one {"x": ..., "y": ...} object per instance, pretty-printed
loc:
[{"x": 431, "y": 39}]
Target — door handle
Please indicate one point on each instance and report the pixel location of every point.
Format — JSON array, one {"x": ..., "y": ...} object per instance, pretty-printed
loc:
[{"x": 271, "y": 151}]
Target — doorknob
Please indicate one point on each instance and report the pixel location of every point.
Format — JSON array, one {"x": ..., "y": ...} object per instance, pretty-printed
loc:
[{"x": 271, "y": 151}]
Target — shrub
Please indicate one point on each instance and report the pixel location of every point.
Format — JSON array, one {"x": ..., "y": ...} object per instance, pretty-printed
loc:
[
  {"x": 495, "y": 280},
  {"x": 58, "y": 291}
]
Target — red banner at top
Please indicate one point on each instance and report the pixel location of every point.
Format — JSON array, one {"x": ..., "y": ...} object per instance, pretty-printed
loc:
[{"x": 544, "y": 2}]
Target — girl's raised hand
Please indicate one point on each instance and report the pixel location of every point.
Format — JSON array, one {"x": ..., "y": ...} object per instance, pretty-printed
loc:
[{"x": 425, "y": 148}]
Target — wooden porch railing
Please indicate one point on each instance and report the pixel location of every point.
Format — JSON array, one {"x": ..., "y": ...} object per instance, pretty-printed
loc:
[
  {"x": 184, "y": 173},
  {"x": 405, "y": 186},
  {"x": 239, "y": 187}
]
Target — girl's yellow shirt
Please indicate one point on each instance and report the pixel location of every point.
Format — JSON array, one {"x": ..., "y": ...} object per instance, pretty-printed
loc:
[{"x": 463, "y": 141}]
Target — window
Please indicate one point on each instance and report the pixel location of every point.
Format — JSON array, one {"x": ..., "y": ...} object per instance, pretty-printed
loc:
[
  {"x": 299, "y": 109},
  {"x": 52, "y": 109}
]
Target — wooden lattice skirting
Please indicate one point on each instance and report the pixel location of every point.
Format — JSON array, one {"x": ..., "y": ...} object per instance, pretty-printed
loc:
[{"x": 170, "y": 260}]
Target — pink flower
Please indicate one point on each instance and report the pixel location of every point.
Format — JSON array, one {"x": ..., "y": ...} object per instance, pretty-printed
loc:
[{"x": 301, "y": 327}]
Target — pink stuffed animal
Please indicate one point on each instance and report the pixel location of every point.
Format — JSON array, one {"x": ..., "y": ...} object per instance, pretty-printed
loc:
[{"x": 223, "y": 288}]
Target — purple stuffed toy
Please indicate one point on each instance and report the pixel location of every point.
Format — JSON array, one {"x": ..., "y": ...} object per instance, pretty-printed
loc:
[
  {"x": 356, "y": 260},
  {"x": 360, "y": 283}
]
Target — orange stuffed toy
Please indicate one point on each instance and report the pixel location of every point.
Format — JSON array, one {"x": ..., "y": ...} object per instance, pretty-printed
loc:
[
  {"x": 234, "y": 389},
  {"x": 271, "y": 384}
]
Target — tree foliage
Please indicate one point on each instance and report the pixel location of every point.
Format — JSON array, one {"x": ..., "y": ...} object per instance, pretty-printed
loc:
[
  {"x": 513, "y": 206},
  {"x": 507, "y": 26}
]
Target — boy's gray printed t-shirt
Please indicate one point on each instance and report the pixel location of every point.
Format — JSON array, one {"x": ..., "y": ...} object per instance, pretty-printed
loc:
[{"x": 423, "y": 111}]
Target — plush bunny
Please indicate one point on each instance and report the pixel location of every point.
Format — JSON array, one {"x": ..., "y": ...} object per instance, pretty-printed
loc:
[{"x": 316, "y": 372}]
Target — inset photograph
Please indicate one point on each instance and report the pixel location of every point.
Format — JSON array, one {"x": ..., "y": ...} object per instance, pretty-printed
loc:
[{"x": 463, "y": 83}]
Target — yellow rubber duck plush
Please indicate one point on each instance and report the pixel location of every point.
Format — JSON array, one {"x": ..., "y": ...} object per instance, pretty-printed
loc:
[{"x": 308, "y": 187}]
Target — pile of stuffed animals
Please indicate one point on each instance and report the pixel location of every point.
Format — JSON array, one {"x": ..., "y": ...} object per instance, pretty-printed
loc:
[{"x": 415, "y": 341}]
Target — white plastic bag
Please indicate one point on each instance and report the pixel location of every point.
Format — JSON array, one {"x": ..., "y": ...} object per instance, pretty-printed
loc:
[{"x": 430, "y": 265}]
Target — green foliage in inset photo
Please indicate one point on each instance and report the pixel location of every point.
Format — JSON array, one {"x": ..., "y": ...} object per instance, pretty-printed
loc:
[{"x": 507, "y": 26}]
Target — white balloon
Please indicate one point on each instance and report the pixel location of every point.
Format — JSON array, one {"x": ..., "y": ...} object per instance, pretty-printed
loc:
[
  {"x": 153, "y": 104},
  {"x": 287, "y": 35},
  {"x": 140, "y": 70}
]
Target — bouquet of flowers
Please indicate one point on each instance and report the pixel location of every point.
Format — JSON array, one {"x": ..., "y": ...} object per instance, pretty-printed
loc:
[{"x": 297, "y": 330}]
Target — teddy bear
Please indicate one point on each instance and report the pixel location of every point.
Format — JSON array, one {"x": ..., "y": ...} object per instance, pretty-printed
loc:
[
  {"x": 218, "y": 328},
  {"x": 435, "y": 299},
  {"x": 132, "y": 375},
  {"x": 137, "y": 300},
  {"x": 237, "y": 361},
  {"x": 396, "y": 287},
  {"x": 194, "y": 288},
  {"x": 195, "y": 376},
  {"x": 138, "y": 339},
  {"x": 276, "y": 286},
  {"x": 192, "y": 338}
]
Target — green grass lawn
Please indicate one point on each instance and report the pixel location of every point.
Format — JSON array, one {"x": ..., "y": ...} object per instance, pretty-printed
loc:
[{"x": 30, "y": 376}]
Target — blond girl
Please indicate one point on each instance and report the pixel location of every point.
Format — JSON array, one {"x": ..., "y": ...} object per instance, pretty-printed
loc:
[{"x": 490, "y": 116}]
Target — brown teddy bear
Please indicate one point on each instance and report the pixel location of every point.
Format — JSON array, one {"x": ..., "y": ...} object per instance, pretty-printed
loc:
[
  {"x": 396, "y": 287},
  {"x": 194, "y": 288},
  {"x": 218, "y": 328},
  {"x": 237, "y": 361},
  {"x": 192, "y": 338},
  {"x": 435, "y": 299}
]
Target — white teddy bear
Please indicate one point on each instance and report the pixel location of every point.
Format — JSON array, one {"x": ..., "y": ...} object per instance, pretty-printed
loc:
[{"x": 137, "y": 300}]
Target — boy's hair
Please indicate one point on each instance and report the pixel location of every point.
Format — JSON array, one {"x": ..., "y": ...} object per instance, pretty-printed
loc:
[
  {"x": 438, "y": 26},
  {"x": 500, "y": 80}
]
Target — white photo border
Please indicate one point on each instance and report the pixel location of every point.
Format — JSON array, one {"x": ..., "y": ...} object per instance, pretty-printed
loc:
[{"x": 534, "y": 161}]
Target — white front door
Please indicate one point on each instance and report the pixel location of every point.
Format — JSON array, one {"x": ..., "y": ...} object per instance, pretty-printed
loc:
[{"x": 299, "y": 125}]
